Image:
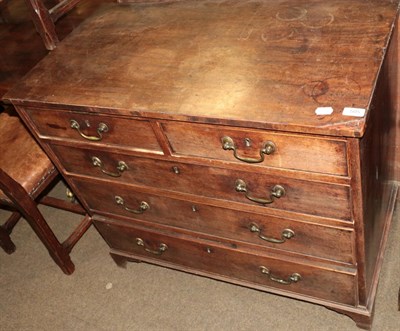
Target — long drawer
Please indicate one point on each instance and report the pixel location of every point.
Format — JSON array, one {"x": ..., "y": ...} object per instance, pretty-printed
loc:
[
  {"x": 268, "y": 272},
  {"x": 327, "y": 242},
  {"x": 262, "y": 147},
  {"x": 89, "y": 128},
  {"x": 269, "y": 190}
]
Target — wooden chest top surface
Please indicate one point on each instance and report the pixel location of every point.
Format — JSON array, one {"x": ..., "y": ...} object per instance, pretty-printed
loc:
[{"x": 265, "y": 64}]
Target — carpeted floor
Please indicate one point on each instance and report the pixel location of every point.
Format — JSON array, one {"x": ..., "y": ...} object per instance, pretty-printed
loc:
[{"x": 36, "y": 295}]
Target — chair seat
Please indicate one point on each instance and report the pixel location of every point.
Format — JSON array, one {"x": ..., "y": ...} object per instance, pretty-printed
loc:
[
  {"x": 26, "y": 175},
  {"x": 15, "y": 141}
]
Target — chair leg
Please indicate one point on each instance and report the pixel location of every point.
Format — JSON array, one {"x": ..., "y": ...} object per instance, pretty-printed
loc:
[
  {"x": 9, "y": 225},
  {"x": 6, "y": 242},
  {"x": 31, "y": 213},
  {"x": 5, "y": 230},
  {"x": 43, "y": 23},
  {"x": 80, "y": 230}
]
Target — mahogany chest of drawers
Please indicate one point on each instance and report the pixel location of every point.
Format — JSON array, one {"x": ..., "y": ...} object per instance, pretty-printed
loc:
[{"x": 211, "y": 137}]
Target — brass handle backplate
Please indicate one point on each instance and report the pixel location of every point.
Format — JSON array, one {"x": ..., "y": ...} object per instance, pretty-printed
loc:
[
  {"x": 102, "y": 128},
  {"x": 285, "y": 235},
  {"x": 293, "y": 278},
  {"x": 161, "y": 249},
  {"x": 267, "y": 149},
  {"x": 121, "y": 167},
  {"x": 142, "y": 208},
  {"x": 277, "y": 191}
]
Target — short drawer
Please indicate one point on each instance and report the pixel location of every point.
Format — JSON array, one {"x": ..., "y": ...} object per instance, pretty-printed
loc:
[
  {"x": 252, "y": 189},
  {"x": 89, "y": 128},
  {"x": 263, "y": 148},
  {"x": 274, "y": 232},
  {"x": 215, "y": 259}
]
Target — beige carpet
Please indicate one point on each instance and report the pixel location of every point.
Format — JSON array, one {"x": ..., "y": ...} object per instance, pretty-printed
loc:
[{"x": 36, "y": 295}]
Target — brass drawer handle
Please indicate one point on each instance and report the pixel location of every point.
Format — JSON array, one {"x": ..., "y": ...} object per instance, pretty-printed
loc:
[
  {"x": 293, "y": 278},
  {"x": 121, "y": 167},
  {"x": 142, "y": 208},
  {"x": 268, "y": 148},
  {"x": 100, "y": 129},
  {"x": 277, "y": 192},
  {"x": 285, "y": 235},
  {"x": 161, "y": 249}
]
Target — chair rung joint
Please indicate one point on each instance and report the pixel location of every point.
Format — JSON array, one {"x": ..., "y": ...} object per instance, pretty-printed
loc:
[
  {"x": 62, "y": 8},
  {"x": 77, "y": 234},
  {"x": 62, "y": 204}
]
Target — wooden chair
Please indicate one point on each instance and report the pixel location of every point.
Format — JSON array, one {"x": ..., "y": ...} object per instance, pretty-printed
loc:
[
  {"x": 45, "y": 18},
  {"x": 26, "y": 174}
]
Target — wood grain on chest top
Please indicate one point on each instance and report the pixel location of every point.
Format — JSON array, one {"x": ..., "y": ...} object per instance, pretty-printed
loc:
[{"x": 266, "y": 64}]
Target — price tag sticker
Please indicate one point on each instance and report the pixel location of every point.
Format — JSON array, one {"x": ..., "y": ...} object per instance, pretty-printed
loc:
[
  {"x": 324, "y": 111},
  {"x": 356, "y": 112}
]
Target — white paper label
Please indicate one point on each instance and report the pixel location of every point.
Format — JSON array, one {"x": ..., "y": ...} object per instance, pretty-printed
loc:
[
  {"x": 357, "y": 112},
  {"x": 324, "y": 111}
]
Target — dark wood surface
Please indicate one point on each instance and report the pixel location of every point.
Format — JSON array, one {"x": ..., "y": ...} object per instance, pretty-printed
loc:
[
  {"x": 214, "y": 258},
  {"x": 171, "y": 81},
  {"x": 217, "y": 60},
  {"x": 21, "y": 45},
  {"x": 217, "y": 183},
  {"x": 214, "y": 221},
  {"x": 118, "y": 133}
]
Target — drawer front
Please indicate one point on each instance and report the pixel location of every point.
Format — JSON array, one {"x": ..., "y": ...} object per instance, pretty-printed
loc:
[
  {"x": 268, "y": 231},
  {"x": 315, "y": 198},
  {"x": 282, "y": 150},
  {"x": 124, "y": 133},
  {"x": 212, "y": 258}
]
